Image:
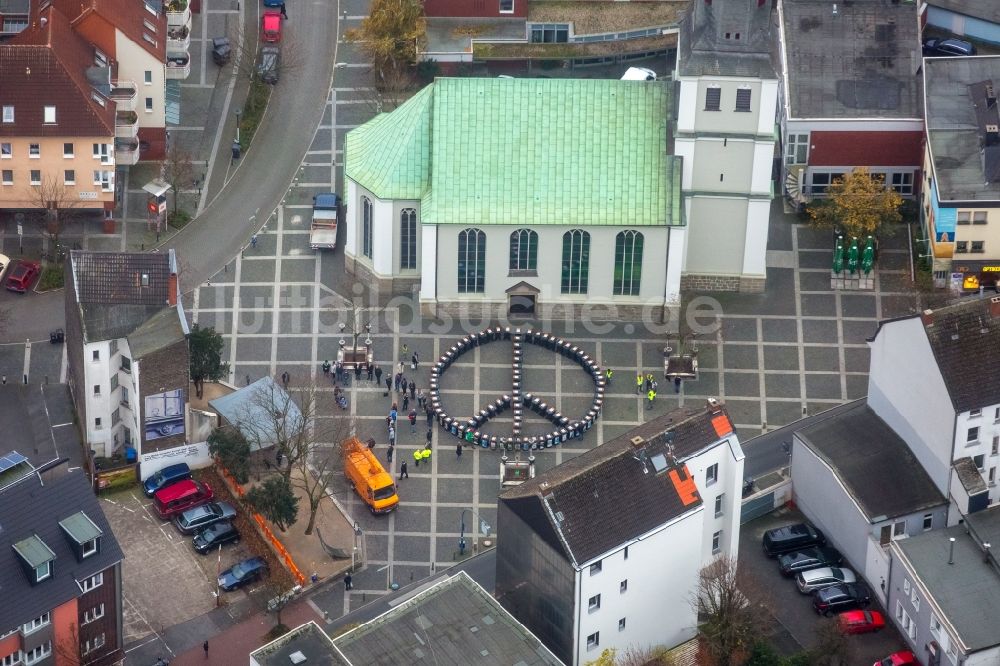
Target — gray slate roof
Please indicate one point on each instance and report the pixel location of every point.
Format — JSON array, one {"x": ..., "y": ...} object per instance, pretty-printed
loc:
[
  {"x": 966, "y": 591},
  {"x": 158, "y": 332},
  {"x": 110, "y": 293},
  {"x": 864, "y": 451},
  {"x": 860, "y": 63},
  {"x": 29, "y": 508},
  {"x": 706, "y": 51},
  {"x": 969, "y": 476},
  {"x": 961, "y": 171},
  {"x": 604, "y": 496},
  {"x": 308, "y": 639},
  {"x": 983, "y": 9},
  {"x": 245, "y": 410},
  {"x": 452, "y": 623}
]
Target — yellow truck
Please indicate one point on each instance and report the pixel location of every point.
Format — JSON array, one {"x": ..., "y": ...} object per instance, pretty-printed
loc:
[{"x": 370, "y": 480}]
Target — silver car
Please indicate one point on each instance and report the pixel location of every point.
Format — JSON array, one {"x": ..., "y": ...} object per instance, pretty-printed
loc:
[
  {"x": 817, "y": 579},
  {"x": 202, "y": 516}
]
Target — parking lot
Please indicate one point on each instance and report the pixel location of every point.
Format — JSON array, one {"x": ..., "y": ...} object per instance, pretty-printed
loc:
[
  {"x": 165, "y": 582},
  {"x": 793, "y": 611}
]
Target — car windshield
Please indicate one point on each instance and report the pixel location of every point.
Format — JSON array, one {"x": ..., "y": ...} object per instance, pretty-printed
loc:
[
  {"x": 385, "y": 493},
  {"x": 240, "y": 570}
]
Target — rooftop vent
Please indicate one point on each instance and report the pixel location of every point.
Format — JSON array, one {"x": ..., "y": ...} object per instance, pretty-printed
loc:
[
  {"x": 297, "y": 658},
  {"x": 991, "y": 135},
  {"x": 927, "y": 317},
  {"x": 713, "y": 405},
  {"x": 637, "y": 441},
  {"x": 659, "y": 462}
]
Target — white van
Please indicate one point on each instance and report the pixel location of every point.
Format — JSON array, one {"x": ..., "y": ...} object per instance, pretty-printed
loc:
[{"x": 639, "y": 74}]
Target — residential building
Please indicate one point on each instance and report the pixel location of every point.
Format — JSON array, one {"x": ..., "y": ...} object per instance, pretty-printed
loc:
[
  {"x": 128, "y": 356},
  {"x": 856, "y": 480},
  {"x": 604, "y": 550},
  {"x": 850, "y": 94},
  {"x": 725, "y": 138},
  {"x": 935, "y": 381},
  {"x": 970, "y": 19},
  {"x": 960, "y": 206},
  {"x": 57, "y": 131},
  {"x": 60, "y": 571},
  {"x": 569, "y": 205},
  {"x": 520, "y": 32},
  {"x": 451, "y": 620},
  {"x": 943, "y": 592}
]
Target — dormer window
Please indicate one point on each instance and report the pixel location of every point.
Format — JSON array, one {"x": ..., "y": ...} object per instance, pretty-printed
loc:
[
  {"x": 84, "y": 535},
  {"x": 50, "y": 115},
  {"x": 37, "y": 556}
]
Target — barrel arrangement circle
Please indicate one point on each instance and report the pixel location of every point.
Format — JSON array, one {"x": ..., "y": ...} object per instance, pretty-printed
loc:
[{"x": 471, "y": 430}]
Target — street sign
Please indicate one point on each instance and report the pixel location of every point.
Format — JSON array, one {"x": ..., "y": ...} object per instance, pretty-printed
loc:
[{"x": 20, "y": 229}]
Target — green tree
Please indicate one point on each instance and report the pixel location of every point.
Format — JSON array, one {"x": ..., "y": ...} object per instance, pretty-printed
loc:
[
  {"x": 391, "y": 34},
  {"x": 205, "y": 347},
  {"x": 274, "y": 500},
  {"x": 232, "y": 450},
  {"x": 858, "y": 203}
]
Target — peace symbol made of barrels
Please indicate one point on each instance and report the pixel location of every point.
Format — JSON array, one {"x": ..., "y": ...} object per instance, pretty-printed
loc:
[{"x": 472, "y": 431}]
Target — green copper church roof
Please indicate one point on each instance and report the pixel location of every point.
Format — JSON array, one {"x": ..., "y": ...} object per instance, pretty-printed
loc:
[{"x": 525, "y": 151}]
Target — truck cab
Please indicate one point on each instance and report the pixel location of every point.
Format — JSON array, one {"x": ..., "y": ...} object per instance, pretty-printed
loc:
[{"x": 323, "y": 229}]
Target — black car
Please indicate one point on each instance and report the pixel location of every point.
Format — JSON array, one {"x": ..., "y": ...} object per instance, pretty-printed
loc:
[
  {"x": 242, "y": 573},
  {"x": 809, "y": 558},
  {"x": 790, "y": 538},
  {"x": 221, "y": 50},
  {"x": 934, "y": 47},
  {"x": 269, "y": 63},
  {"x": 844, "y": 596},
  {"x": 215, "y": 535}
]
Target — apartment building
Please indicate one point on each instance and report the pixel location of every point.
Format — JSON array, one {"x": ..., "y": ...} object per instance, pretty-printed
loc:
[
  {"x": 604, "y": 550},
  {"x": 60, "y": 572}
]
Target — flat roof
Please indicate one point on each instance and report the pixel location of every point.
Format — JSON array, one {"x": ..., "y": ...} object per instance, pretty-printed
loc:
[
  {"x": 961, "y": 171},
  {"x": 857, "y": 61},
  {"x": 307, "y": 640}
]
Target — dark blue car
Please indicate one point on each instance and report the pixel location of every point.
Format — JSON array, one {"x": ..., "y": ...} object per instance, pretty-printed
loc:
[
  {"x": 242, "y": 573},
  {"x": 165, "y": 477}
]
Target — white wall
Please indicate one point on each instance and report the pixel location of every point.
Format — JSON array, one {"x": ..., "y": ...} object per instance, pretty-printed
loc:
[
  {"x": 687, "y": 104},
  {"x": 428, "y": 260},
  {"x": 352, "y": 218},
  {"x": 768, "y": 115},
  {"x": 729, "y": 457},
  {"x": 195, "y": 455},
  {"x": 133, "y": 61},
  {"x": 675, "y": 264},
  {"x": 726, "y": 119},
  {"x": 763, "y": 159},
  {"x": 716, "y": 235},
  {"x": 905, "y": 388},
  {"x": 101, "y": 440},
  {"x": 662, "y": 573},
  {"x": 989, "y": 427},
  {"x": 755, "y": 241}
]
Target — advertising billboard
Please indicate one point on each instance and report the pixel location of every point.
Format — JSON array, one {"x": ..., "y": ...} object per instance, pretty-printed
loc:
[{"x": 163, "y": 415}]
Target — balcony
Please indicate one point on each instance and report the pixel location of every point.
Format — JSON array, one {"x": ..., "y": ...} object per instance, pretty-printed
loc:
[
  {"x": 178, "y": 14},
  {"x": 178, "y": 66},
  {"x": 127, "y": 151},
  {"x": 126, "y": 125},
  {"x": 178, "y": 39},
  {"x": 124, "y": 94}
]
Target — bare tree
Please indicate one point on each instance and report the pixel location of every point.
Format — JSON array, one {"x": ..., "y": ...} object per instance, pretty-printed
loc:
[
  {"x": 57, "y": 203},
  {"x": 731, "y": 613},
  {"x": 272, "y": 596},
  {"x": 178, "y": 170},
  {"x": 316, "y": 469},
  {"x": 273, "y": 418},
  {"x": 387, "y": 90},
  {"x": 246, "y": 51}
]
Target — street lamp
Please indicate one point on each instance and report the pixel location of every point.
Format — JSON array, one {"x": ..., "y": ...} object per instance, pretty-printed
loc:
[
  {"x": 461, "y": 536},
  {"x": 238, "y": 111}
]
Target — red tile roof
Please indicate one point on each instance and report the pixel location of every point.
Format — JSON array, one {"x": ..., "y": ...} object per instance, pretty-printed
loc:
[
  {"x": 127, "y": 16},
  {"x": 875, "y": 148},
  {"x": 46, "y": 65}
]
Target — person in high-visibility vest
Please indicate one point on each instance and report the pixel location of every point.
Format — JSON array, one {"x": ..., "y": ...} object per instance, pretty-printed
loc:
[
  {"x": 427, "y": 455},
  {"x": 651, "y": 394},
  {"x": 608, "y": 373},
  {"x": 639, "y": 381},
  {"x": 417, "y": 455}
]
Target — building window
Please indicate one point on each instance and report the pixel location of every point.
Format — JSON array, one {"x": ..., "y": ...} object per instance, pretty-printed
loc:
[
  {"x": 147, "y": 77},
  {"x": 69, "y": 177},
  {"x": 103, "y": 179},
  {"x": 549, "y": 33},
  {"x": 594, "y": 603},
  {"x": 595, "y": 568},
  {"x": 97, "y": 389},
  {"x": 50, "y": 115},
  {"x": 996, "y": 445},
  {"x": 906, "y": 588},
  {"x": 126, "y": 365},
  {"x": 979, "y": 217},
  {"x": 978, "y": 247},
  {"x": 717, "y": 542},
  {"x": 6, "y": 151},
  {"x": 712, "y": 474},
  {"x": 8, "y": 177},
  {"x": 902, "y": 182},
  {"x": 935, "y": 625},
  {"x": 743, "y": 99},
  {"x": 124, "y": 398},
  {"x": 963, "y": 217},
  {"x": 37, "y": 623},
  {"x": 626, "y": 552},
  {"x": 593, "y": 640},
  {"x": 797, "y": 150},
  {"x": 10, "y": 27},
  {"x": 149, "y": 105},
  {"x": 95, "y": 613},
  {"x": 89, "y": 548},
  {"x": 39, "y": 653},
  {"x": 408, "y": 239},
  {"x": 149, "y": 25},
  {"x": 93, "y": 582},
  {"x": 13, "y": 658},
  {"x": 506, "y": 6},
  {"x": 95, "y": 355},
  {"x": 523, "y": 250},
  {"x": 972, "y": 435},
  {"x": 898, "y": 529},
  {"x": 623, "y": 586},
  {"x": 980, "y": 461},
  {"x": 621, "y": 624},
  {"x": 575, "y": 262},
  {"x": 68, "y": 150},
  {"x": 102, "y": 151},
  {"x": 93, "y": 644},
  {"x": 928, "y": 521},
  {"x": 367, "y": 211},
  {"x": 97, "y": 423},
  {"x": 915, "y": 600},
  {"x": 713, "y": 98},
  {"x": 628, "y": 263},
  {"x": 471, "y": 261},
  {"x": 8, "y": 114},
  {"x": 718, "y": 505},
  {"x": 975, "y": 412},
  {"x": 34, "y": 150},
  {"x": 36, "y": 177}
]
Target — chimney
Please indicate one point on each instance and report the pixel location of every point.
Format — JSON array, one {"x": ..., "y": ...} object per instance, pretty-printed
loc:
[
  {"x": 43, "y": 21},
  {"x": 713, "y": 406},
  {"x": 637, "y": 441},
  {"x": 992, "y": 135},
  {"x": 927, "y": 317},
  {"x": 995, "y": 307},
  {"x": 172, "y": 289},
  {"x": 951, "y": 551},
  {"x": 986, "y": 553},
  {"x": 991, "y": 96}
]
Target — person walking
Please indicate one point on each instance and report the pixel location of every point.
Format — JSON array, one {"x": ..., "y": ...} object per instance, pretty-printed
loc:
[
  {"x": 421, "y": 398},
  {"x": 285, "y": 378},
  {"x": 338, "y": 370},
  {"x": 348, "y": 581},
  {"x": 430, "y": 416},
  {"x": 204, "y": 646},
  {"x": 401, "y": 365},
  {"x": 430, "y": 436},
  {"x": 608, "y": 373},
  {"x": 427, "y": 455},
  {"x": 284, "y": 15},
  {"x": 253, "y": 241},
  {"x": 413, "y": 421},
  {"x": 413, "y": 390},
  {"x": 371, "y": 370},
  {"x": 393, "y": 413},
  {"x": 651, "y": 395},
  {"x": 406, "y": 402},
  {"x": 402, "y": 471},
  {"x": 378, "y": 374},
  {"x": 458, "y": 449},
  {"x": 677, "y": 384},
  {"x": 402, "y": 383},
  {"x": 388, "y": 386},
  {"x": 371, "y": 443},
  {"x": 649, "y": 381},
  {"x": 357, "y": 372},
  {"x": 417, "y": 455},
  {"x": 389, "y": 452},
  {"x": 639, "y": 381},
  {"x": 415, "y": 361},
  {"x": 395, "y": 381},
  {"x": 326, "y": 367},
  {"x": 392, "y": 436}
]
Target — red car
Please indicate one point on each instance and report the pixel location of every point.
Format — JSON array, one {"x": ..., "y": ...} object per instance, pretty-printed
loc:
[
  {"x": 860, "y": 621},
  {"x": 22, "y": 274},
  {"x": 270, "y": 26},
  {"x": 901, "y": 658}
]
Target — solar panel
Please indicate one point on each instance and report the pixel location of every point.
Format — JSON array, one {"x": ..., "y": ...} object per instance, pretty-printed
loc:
[{"x": 12, "y": 459}]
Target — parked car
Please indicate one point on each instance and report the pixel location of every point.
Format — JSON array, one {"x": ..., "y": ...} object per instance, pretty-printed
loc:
[
  {"x": 817, "y": 579},
  {"x": 221, "y": 50},
  {"x": 22, "y": 275},
  {"x": 269, "y": 63},
  {"x": 181, "y": 496},
  {"x": 166, "y": 476},
  {"x": 638, "y": 74},
  {"x": 242, "y": 573},
  {"x": 936, "y": 48},
  {"x": 901, "y": 658},
  {"x": 194, "y": 519},
  {"x": 809, "y": 558},
  {"x": 270, "y": 26},
  {"x": 4, "y": 265},
  {"x": 860, "y": 621},
  {"x": 844, "y": 596},
  {"x": 791, "y": 537},
  {"x": 215, "y": 535}
]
